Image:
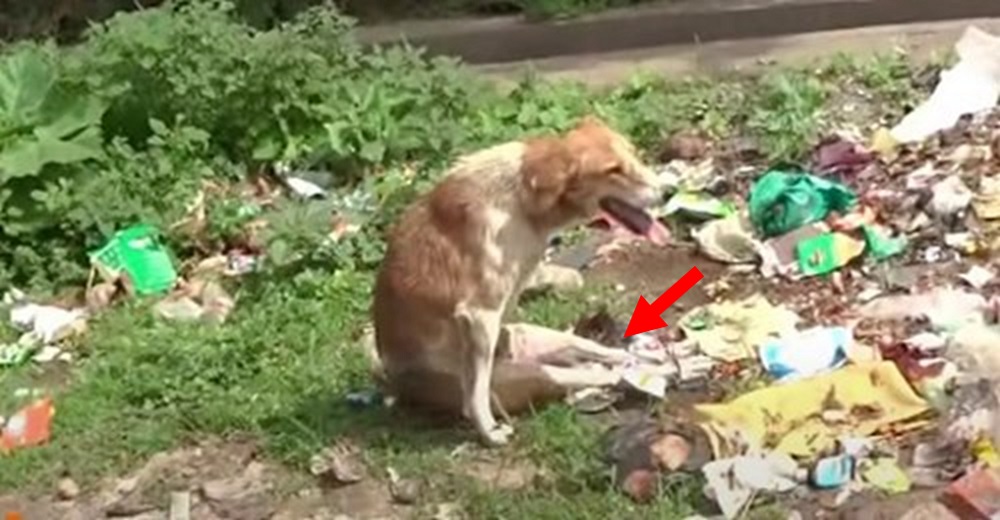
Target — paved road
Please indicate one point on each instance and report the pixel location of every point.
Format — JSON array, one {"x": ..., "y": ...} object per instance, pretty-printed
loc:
[{"x": 922, "y": 40}]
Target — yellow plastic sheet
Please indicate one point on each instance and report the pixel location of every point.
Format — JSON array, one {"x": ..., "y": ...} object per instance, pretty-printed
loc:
[{"x": 805, "y": 418}]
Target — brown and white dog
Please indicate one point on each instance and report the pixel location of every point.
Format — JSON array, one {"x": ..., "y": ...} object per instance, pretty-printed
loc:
[{"x": 460, "y": 255}]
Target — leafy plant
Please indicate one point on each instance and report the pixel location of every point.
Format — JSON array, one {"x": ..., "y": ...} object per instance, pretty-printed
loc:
[
  {"x": 786, "y": 113},
  {"x": 43, "y": 121}
]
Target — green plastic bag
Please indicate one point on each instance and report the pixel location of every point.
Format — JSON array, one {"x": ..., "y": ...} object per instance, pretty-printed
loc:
[
  {"x": 783, "y": 201},
  {"x": 138, "y": 252},
  {"x": 880, "y": 245}
]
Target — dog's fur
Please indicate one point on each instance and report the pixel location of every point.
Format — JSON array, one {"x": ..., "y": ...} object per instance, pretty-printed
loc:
[{"x": 457, "y": 261}]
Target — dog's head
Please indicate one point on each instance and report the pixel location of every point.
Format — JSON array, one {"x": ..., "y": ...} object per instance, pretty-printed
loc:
[{"x": 590, "y": 168}]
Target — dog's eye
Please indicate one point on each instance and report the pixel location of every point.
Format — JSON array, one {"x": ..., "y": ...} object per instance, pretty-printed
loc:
[{"x": 614, "y": 169}]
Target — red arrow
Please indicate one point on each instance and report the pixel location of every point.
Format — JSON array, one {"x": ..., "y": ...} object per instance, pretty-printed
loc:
[{"x": 646, "y": 316}]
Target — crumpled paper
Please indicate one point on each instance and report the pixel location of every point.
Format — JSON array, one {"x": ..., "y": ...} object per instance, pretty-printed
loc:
[{"x": 733, "y": 330}]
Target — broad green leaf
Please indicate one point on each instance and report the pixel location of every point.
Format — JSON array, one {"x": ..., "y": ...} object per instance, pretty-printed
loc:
[
  {"x": 28, "y": 155},
  {"x": 20, "y": 158},
  {"x": 26, "y": 77},
  {"x": 64, "y": 113}
]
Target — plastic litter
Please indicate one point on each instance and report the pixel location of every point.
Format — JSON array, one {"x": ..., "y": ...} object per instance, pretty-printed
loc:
[
  {"x": 687, "y": 176},
  {"x": 790, "y": 417},
  {"x": 947, "y": 308},
  {"x": 304, "y": 188},
  {"x": 882, "y": 142},
  {"x": 727, "y": 240},
  {"x": 985, "y": 452},
  {"x": 782, "y": 201},
  {"x": 30, "y": 426},
  {"x": 972, "y": 85},
  {"x": 827, "y": 252},
  {"x": 807, "y": 353},
  {"x": 733, "y": 330},
  {"x": 733, "y": 482},
  {"x": 978, "y": 276},
  {"x": 880, "y": 245},
  {"x": 950, "y": 196},
  {"x": 779, "y": 254},
  {"x": 698, "y": 205},
  {"x": 643, "y": 378},
  {"x": 42, "y": 324},
  {"x": 927, "y": 342},
  {"x": 138, "y": 252},
  {"x": 841, "y": 157},
  {"x": 832, "y": 472},
  {"x": 986, "y": 203},
  {"x": 885, "y": 475}
]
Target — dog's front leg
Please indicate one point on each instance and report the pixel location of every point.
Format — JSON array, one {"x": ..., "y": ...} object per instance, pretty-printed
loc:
[{"x": 480, "y": 329}]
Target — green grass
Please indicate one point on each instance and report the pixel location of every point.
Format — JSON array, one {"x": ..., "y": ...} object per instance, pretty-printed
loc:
[{"x": 280, "y": 368}]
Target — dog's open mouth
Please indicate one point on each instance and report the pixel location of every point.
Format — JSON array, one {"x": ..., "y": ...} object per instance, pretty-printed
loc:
[{"x": 634, "y": 219}]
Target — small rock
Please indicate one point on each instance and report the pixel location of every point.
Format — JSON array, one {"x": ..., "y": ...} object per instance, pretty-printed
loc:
[
  {"x": 833, "y": 499},
  {"x": 100, "y": 296},
  {"x": 126, "y": 486},
  {"x": 556, "y": 277},
  {"x": 67, "y": 489},
  {"x": 446, "y": 511},
  {"x": 671, "y": 451},
  {"x": 245, "y": 496},
  {"x": 641, "y": 485},
  {"x": 687, "y": 146},
  {"x": 340, "y": 462},
  {"x": 250, "y": 482},
  {"x": 179, "y": 309},
  {"x": 405, "y": 491}
]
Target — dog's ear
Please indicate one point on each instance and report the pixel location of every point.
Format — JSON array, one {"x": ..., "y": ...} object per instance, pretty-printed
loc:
[{"x": 547, "y": 169}]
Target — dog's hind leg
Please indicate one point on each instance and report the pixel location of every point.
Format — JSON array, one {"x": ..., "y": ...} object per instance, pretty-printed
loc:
[{"x": 549, "y": 346}]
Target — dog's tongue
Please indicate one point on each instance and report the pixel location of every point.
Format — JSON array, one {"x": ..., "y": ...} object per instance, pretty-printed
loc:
[{"x": 634, "y": 219}]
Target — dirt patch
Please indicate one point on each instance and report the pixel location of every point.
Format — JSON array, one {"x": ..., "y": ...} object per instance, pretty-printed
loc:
[
  {"x": 225, "y": 479},
  {"x": 647, "y": 270},
  {"x": 507, "y": 474},
  {"x": 868, "y": 506}
]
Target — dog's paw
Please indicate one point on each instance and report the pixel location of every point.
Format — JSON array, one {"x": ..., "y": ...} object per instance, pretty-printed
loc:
[{"x": 499, "y": 435}]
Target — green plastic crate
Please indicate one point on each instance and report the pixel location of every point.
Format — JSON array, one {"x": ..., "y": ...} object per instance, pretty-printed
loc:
[{"x": 138, "y": 252}]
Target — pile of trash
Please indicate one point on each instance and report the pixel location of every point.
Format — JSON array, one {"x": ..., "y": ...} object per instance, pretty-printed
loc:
[
  {"x": 886, "y": 378},
  {"x": 136, "y": 262}
]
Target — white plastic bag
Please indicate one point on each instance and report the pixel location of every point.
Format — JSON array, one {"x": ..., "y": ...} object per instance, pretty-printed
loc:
[{"x": 971, "y": 86}]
